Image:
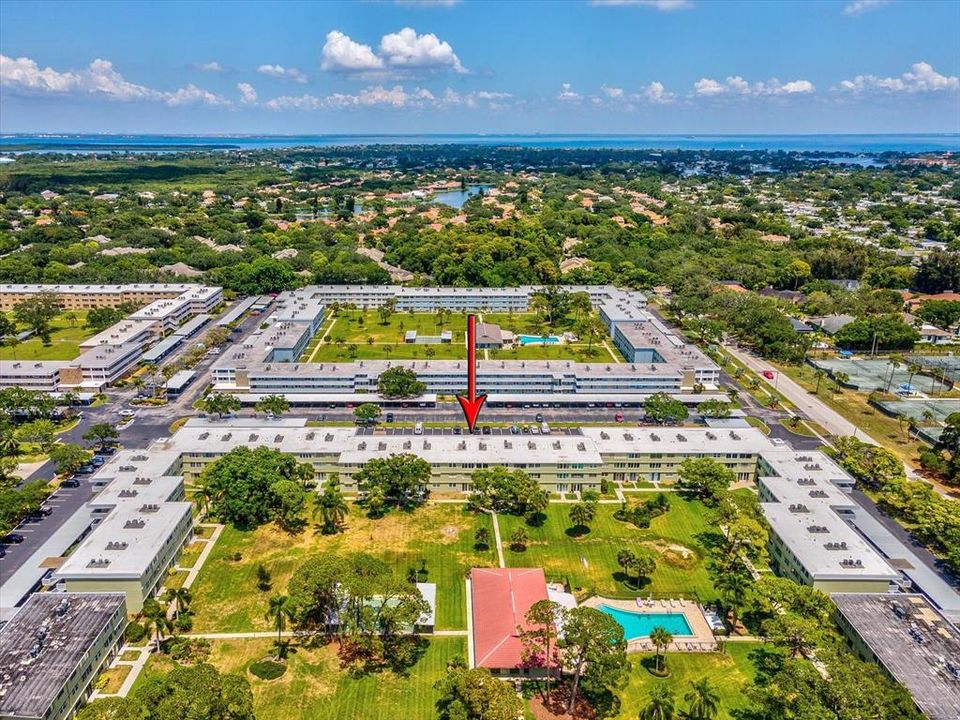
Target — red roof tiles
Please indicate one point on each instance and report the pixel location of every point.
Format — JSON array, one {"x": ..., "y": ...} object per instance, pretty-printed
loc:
[{"x": 500, "y": 598}]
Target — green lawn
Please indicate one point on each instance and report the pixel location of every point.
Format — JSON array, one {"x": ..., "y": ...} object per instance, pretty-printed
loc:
[
  {"x": 376, "y": 341},
  {"x": 729, "y": 672},
  {"x": 65, "y": 339},
  {"x": 589, "y": 563},
  {"x": 226, "y": 598},
  {"x": 315, "y": 688}
]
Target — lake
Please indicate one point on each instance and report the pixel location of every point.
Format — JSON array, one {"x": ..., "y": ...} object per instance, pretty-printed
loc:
[{"x": 456, "y": 198}]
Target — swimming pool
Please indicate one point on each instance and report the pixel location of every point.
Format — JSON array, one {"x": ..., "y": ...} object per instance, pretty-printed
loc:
[
  {"x": 538, "y": 339},
  {"x": 637, "y": 625}
]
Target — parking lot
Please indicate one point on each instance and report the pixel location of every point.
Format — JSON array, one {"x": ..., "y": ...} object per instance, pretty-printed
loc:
[{"x": 522, "y": 429}]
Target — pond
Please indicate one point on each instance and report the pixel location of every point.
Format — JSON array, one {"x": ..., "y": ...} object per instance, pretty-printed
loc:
[{"x": 456, "y": 198}]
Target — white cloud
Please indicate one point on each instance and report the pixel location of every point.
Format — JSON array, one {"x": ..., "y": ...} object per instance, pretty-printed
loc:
[
  {"x": 406, "y": 49},
  {"x": 378, "y": 95},
  {"x": 290, "y": 102},
  {"x": 861, "y": 6},
  {"x": 614, "y": 93},
  {"x": 736, "y": 85},
  {"x": 921, "y": 78},
  {"x": 212, "y": 66},
  {"x": 663, "y": 5},
  {"x": 24, "y": 74},
  {"x": 192, "y": 95},
  {"x": 797, "y": 86},
  {"x": 284, "y": 73},
  {"x": 100, "y": 78},
  {"x": 341, "y": 53},
  {"x": 657, "y": 94},
  {"x": 247, "y": 93},
  {"x": 567, "y": 94},
  {"x": 706, "y": 86}
]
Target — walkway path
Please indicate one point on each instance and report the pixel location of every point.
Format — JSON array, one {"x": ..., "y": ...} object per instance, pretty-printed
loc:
[
  {"x": 333, "y": 321},
  {"x": 270, "y": 634},
  {"x": 496, "y": 537}
]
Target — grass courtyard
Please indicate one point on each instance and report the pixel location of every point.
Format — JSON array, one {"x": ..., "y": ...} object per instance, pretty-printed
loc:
[
  {"x": 589, "y": 562},
  {"x": 226, "y": 598},
  {"x": 360, "y": 335},
  {"x": 68, "y": 330},
  {"x": 316, "y": 688},
  {"x": 729, "y": 673}
]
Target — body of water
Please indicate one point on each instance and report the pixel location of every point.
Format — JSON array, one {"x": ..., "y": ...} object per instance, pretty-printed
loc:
[
  {"x": 638, "y": 625},
  {"x": 792, "y": 143},
  {"x": 538, "y": 339},
  {"x": 456, "y": 198}
]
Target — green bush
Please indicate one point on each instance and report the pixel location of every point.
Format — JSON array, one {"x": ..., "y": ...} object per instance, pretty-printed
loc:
[
  {"x": 184, "y": 622},
  {"x": 268, "y": 669},
  {"x": 134, "y": 633}
]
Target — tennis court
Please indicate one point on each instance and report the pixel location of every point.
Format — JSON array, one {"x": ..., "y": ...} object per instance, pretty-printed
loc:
[
  {"x": 921, "y": 408},
  {"x": 947, "y": 366},
  {"x": 879, "y": 374}
]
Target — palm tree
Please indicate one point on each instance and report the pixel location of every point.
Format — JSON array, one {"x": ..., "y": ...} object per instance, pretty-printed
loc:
[
  {"x": 331, "y": 505},
  {"x": 660, "y": 706},
  {"x": 9, "y": 445},
  {"x": 913, "y": 369},
  {"x": 703, "y": 699},
  {"x": 661, "y": 638},
  {"x": 155, "y": 618},
  {"x": 181, "y": 596},
  {"x": 838, "y": 380},
  {"x": 895, "y": 362},
  {"x": 928, "y": 416},
  {"x": 205, "y": 498},
  {"x": 279, "y": 611},
  {"x": 733, "y": 587},
  {"x": 819, "y": 375}
]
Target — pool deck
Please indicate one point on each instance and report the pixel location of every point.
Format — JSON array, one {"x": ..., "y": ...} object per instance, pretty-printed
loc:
[{"x": 702, "y": 640}]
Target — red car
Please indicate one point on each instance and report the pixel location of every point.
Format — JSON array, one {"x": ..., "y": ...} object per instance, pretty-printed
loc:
[
  {"x": 768, "y": 374},
  {"x": 618, "y": 417}
]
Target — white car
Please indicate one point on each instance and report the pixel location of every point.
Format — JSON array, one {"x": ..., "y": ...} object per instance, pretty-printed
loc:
[{"x": 127, "y": 413}]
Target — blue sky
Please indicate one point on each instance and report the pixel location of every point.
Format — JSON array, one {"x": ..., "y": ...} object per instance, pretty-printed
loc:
[{"x": 601, "y": 66}]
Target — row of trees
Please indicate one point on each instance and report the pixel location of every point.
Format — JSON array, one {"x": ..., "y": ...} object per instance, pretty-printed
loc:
[{"x": 932, "y": 518}]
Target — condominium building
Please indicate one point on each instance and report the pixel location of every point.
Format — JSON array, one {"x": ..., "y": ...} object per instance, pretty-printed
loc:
[
  {"x": 911, "y": 641},
  {"x": 804, "y": 495},
  {"x": 85, "y": 297},
  {"x": 39, "y": 375},
  {"x": 145, "y": 524},
  {"x": 52, "y": 651},
  {"x": 125, "y": 332},
  {"x": 267, "y": 361}
]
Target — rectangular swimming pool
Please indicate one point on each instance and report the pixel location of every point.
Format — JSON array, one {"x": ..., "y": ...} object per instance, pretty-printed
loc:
[
  {"x": 637, "y": 625},
  {"x": 538, "y": 339}
]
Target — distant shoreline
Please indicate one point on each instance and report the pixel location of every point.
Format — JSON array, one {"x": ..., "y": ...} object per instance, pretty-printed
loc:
[{"x": 865, "y": 143}]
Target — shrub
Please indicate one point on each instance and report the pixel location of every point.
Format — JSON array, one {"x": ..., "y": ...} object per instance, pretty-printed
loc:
[
  {"x": 134, "y": 633},
  {"x": 184, "y": 622},
  {"x": 268, "y": 669}
]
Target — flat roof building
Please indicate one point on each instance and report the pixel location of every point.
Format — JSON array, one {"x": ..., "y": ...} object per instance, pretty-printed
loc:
[
  {"x": 52, "y": 651},
  {"x": 911, "y": 641}
]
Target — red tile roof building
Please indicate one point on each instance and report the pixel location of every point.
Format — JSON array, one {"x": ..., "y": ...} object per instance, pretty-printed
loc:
[{"x": 500, "y": 599}]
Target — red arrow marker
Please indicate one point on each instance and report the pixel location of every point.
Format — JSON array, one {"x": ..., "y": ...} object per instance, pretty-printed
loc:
[{"x": 472, "y": 403}]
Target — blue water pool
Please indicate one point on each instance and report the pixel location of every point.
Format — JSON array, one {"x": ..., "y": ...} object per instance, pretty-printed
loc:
[
  {"x": 637, "y": 625},
  {"x": 538, "y": 339}
]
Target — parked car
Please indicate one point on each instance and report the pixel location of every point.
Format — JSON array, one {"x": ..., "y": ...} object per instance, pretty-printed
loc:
[
  {"x": 390, "y": 417},
  {"x": 97, "y": 461},
  {"x": 106, "y": 450},
  {"x": 486, "y": 430},
  {"x": 539, "y": 417},
  {"x": 127, "y": 413},
  {"x": 70, "y": 483},
  {"x": 618, "y": 417},
  {"x": 768, "y": 374},
  {"x": 85, "y": 470},
  {"x": 458, "y": 431},
  {"x": 418, "y": 429},
  {"x": 11, "y": 538}
]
